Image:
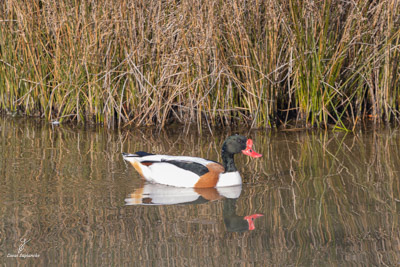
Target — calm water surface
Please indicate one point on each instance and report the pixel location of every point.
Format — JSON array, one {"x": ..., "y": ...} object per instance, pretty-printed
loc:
[{"x": 327, "y": 198}]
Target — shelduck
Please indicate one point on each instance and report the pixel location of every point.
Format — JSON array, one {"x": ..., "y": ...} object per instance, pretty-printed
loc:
[{"x": 184, "y": 171}]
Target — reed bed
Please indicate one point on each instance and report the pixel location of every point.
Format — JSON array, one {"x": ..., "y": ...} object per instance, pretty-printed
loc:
[{"x": 258, "y": 63}]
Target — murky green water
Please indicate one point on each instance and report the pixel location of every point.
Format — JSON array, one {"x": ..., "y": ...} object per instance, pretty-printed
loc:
[{"x": 327, "y": 199}]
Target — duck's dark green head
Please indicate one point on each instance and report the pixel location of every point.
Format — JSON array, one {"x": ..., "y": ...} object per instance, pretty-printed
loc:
[{"x": 239, "y": 144}]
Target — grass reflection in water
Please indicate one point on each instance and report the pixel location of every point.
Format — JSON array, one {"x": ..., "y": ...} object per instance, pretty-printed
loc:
[{"x": 327, "y": 198}]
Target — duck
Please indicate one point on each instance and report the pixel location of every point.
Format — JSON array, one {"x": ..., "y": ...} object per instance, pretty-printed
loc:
[{"x": 194, "y": 172}]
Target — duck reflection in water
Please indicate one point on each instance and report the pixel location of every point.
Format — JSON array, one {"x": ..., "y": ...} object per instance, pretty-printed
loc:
[{"x": 158, "y": 194}]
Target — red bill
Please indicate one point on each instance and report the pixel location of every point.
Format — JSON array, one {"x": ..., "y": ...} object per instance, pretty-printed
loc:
[{"x": 249, "y": 151}]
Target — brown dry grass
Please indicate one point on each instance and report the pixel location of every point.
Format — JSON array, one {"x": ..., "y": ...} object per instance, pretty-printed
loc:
[{"x": 260, "y": 63}]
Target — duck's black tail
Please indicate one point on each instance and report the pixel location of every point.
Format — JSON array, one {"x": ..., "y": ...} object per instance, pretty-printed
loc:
[{"x": 136, "y": 154}]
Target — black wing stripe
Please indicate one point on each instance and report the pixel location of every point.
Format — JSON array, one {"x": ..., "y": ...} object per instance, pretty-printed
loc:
[{"x": 195, "y": 167}]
